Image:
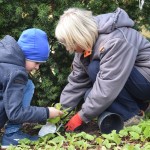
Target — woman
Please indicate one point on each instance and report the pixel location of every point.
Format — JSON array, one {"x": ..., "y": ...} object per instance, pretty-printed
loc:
[{"x": 111, "y": 67}]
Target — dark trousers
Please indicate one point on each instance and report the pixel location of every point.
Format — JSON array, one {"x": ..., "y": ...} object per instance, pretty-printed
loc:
[{"x": 132, "y": 98}]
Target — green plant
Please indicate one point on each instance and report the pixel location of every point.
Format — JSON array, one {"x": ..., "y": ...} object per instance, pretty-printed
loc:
[
  {"x": 59, "y": 118},
  {"x": 131, "y": 138}
]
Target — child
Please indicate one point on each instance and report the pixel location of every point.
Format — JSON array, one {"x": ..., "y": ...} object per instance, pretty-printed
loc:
[{"x": 17, "y": 59}]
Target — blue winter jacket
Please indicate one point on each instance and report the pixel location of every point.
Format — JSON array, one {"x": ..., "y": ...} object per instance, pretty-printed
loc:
[{"x": 13, "y": 79}]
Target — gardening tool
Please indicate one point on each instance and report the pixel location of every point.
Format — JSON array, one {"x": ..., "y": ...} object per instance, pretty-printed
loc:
[
  {"x": 108, "y": 121},
  {"x": 51, "y": 128},
  {"x": 46, "y": 129}
]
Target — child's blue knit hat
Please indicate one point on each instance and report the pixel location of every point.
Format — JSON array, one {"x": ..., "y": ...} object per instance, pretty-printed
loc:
[{"x": 34, "y": 44}]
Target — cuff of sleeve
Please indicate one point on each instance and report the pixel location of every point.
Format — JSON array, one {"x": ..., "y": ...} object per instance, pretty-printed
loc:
[
  {"x": 47, "y": 111},
  {"x": 84, "y": 119}
]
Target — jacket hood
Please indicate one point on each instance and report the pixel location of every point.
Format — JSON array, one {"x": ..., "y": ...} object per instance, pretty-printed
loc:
[
  {"x": 111, "y": 21},
  {"x": 10, "y": 52}
]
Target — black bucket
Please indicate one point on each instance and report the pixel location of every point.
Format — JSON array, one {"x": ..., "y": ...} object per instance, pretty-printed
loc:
[{"x": 108, "y": 121}]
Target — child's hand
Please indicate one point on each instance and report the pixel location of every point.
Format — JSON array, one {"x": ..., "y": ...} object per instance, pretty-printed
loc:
[{"x": 54, "y": 112}]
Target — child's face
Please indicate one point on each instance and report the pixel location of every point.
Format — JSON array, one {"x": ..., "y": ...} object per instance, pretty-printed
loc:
[{"x": 31, "y": 66}]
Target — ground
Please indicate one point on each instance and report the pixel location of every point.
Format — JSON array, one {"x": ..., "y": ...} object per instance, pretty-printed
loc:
[{"x": 91, "y": 128}]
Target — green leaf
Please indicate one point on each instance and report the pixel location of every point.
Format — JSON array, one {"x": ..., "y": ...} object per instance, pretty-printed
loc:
[
  {"x": 99, "y": 141},
  {"x": 136, "y": 129},
  {"x": 123, "y": 133},
  {"x": 137, "y": 147},
  {"x": 58, "y": 139},
  {"x": 106, "y": 143},
  {"x": 58, "y": 106},
  {"x": 134, "y": 135},
  {"x": 112, "y": 137},
  {"x": 54, "y": 120},
  {"x": 147, "y": 132},
  {"x": 71, "y": 147},
  {"x": 37, "y": 126},
  {"x": 128, "y": 147},
  {"x": 146, "y": 146},
  {"x": 79, "y": 143}
]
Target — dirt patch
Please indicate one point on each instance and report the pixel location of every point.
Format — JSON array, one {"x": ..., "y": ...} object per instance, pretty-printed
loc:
[{"x": 90, "y": 128}]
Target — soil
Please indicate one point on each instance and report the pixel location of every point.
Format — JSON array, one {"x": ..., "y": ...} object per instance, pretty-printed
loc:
[{"x": 90, "y": 128}]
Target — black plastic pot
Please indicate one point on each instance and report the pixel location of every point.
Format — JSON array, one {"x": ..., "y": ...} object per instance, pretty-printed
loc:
[{"x": 108, "y": 121}]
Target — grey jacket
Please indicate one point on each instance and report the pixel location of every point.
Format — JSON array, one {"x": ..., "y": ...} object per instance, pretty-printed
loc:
[
  {"x": 13, "y": 79},
  {"x": 119, "y": 48}
]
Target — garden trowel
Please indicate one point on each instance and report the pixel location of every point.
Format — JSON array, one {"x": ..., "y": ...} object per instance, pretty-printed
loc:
[{"x": 51, "y": 128}]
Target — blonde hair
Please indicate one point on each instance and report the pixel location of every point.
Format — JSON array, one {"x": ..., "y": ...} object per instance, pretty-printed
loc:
[{"x": 76, "y": 27}]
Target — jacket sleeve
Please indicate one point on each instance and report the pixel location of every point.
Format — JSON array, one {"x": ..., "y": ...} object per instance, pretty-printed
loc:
[
  {"x": 78, "y": 83},
  {"x": 13, "y": 96},
  {"x": 115, "y": 68}
]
